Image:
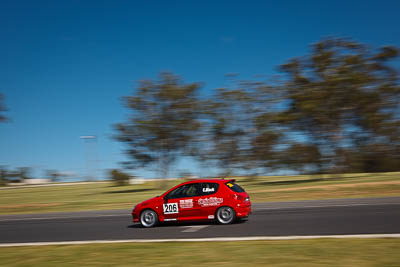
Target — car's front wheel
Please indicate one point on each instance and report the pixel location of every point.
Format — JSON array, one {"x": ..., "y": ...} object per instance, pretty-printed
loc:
[
  {"x": 225, "y": 215},
  {"x": 148, "y": 218}
]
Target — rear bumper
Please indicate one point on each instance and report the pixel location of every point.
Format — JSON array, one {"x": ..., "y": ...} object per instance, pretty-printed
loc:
[{"x": 243, "y": 211}]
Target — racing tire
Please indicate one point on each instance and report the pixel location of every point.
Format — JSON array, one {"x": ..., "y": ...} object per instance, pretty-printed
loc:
[
  {"x": 225, "y": 215},
  {"x": 148, "y": 218}
]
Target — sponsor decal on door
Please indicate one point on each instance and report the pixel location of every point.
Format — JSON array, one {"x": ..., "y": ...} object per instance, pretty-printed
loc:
[
  {"x": 212, "y": 201},
  {"x": 186, "y": 203}
]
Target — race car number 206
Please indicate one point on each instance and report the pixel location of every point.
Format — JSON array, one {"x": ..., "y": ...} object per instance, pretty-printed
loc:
[{"x": 171, "y": 208}]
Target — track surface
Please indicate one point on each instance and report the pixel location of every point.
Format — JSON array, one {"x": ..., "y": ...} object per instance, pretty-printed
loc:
[{"x": 324, "y": 217}]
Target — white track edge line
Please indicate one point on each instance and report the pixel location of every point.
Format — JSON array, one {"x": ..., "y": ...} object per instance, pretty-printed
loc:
[{"x": 214, "y": 239}]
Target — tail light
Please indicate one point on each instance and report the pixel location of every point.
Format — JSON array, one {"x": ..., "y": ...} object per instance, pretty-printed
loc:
[{"x": 242, "y": 198}]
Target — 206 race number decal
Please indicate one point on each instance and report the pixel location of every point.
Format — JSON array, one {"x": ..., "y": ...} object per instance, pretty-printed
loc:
[{"x": 171, "y": 208}]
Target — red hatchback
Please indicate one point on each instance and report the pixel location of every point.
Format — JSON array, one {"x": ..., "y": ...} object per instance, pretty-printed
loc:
[{"x": 207, "y": 199}]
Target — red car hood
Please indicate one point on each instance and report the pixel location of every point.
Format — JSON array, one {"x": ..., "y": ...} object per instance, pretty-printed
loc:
[{"x": 148, "y": 201}]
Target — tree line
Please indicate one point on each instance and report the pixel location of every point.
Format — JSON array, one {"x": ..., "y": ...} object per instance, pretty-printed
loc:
[
  {"x": 333, "y": 110},
  {"x": 21, "y": 174}
]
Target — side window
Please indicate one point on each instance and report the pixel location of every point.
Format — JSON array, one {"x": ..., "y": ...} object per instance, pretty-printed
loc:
[
  {"x": 188, "y": 190},
  {"x": 191, "y": 190},
  {"x": 208, "y": 188},
  {"x": 175, "y": 193}
]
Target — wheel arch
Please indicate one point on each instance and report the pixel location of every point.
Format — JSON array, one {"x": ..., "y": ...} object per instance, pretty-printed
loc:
[
  {"x": 224, "y": 206},
  {"x": 144, "y": 209}
]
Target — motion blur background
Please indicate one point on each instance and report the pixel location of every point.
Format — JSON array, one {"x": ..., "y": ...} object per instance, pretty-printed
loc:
[
  {"x": 208, "y": 88},
  {"x": 299, "y": 101}
]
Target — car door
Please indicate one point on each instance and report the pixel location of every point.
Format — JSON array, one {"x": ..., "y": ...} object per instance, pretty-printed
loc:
[
  {"x": 209, "y": 199},
  {"x": 182, "y": 203}
]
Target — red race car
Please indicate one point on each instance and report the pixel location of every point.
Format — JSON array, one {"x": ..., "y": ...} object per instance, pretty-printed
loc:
[{"x": 206, "y": 199}]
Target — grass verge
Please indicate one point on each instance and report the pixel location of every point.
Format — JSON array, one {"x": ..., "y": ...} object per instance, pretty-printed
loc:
[
  {"x": 103, "y": 196},
  {"x": 318, "y": 252}
]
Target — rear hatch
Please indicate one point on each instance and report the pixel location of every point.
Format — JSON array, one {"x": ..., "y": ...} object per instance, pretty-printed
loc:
[{"x": 238, "y": 190}]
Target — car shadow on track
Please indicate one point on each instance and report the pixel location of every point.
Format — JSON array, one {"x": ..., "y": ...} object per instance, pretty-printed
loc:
[{"x": 178, "y": 224}]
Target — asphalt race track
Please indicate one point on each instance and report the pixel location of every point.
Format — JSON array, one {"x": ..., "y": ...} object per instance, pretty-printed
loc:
[{"x": 322, "y": 217}]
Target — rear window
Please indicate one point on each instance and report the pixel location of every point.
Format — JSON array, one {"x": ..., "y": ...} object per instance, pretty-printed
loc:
[{"x": 234, "y": 187}]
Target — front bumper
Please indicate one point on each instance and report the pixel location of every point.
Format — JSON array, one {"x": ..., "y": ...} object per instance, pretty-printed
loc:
[{"x": 135, "y": 217}]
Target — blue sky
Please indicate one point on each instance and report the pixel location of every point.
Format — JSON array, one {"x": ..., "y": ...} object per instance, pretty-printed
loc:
[{"x": 64, "y": 65}]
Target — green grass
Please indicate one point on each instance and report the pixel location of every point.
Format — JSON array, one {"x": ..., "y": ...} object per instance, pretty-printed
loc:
[
  {"x": 280, "y": 188},
  {"x": 101, "y": 196},
  {"x": 317, "y": 252}
]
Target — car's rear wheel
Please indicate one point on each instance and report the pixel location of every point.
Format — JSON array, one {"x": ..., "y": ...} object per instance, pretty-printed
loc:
[
  {"x": 225, "y": 215},
  {"x": 148, "y": 218}
]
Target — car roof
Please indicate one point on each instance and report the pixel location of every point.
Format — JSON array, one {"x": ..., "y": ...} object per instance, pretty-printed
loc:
[
  {"x": 209, "y": 181},
  {"x": 194, "y": 181}
]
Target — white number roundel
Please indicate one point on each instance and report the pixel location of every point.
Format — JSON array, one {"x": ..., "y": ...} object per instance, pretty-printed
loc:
[{"x": 170, "y": 208}]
